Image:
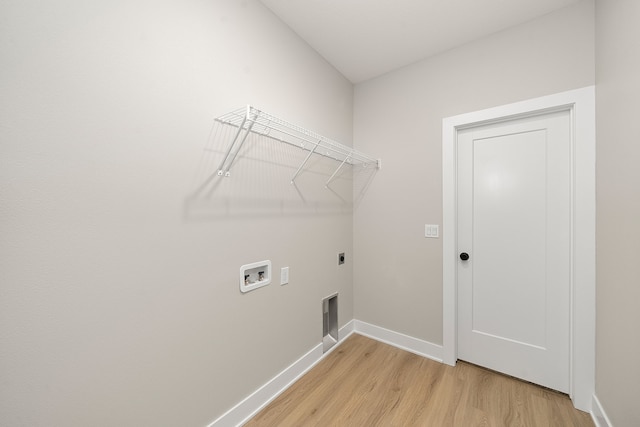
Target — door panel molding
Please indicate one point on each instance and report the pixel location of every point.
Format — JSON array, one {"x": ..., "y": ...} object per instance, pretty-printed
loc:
[{"x": 581, "y": 105}]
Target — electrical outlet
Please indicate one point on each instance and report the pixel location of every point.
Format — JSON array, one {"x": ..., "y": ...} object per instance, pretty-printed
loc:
[{"x": 341, "y": 258}]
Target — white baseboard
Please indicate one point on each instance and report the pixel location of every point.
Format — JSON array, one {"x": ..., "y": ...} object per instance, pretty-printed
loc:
[
  {"x": 252, "y": 404},
  {"x": 401, "y": 341},
  {"x": 598, "y": 414},
  {"x": 346, "y": 330},
  {"x": 256, "y": 401}
]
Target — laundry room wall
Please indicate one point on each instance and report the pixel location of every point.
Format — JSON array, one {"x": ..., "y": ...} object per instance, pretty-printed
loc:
[
  {"x": 397, "y": 271},
  {"x": 618, "y": 210},
  {"x": 119, "y": 295}
]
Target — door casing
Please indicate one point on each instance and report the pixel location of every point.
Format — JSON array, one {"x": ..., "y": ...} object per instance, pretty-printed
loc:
[{"x": 581, "y": 105}]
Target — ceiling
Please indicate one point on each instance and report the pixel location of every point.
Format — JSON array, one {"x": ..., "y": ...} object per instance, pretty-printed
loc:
[{"x": 366, "y": 38}]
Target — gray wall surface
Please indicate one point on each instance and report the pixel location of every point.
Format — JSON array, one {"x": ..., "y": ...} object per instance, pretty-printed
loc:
[
  {"x": 397, "y": 271},
  {"x": 119, "y": 302},
  {"x": 618, "y": 209}
]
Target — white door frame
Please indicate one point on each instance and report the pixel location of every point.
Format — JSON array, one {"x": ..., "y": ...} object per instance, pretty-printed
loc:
[{"x": 581, "y": 104}]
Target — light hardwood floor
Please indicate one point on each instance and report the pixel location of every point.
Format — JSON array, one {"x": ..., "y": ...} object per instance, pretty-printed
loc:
[{"x": 367, "y": 383}]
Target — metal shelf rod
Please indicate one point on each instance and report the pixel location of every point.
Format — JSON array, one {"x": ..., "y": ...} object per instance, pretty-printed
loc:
[
  {"x": 303, "y": 163},
  {"x": 326, "y": 184},
  {"x": 221, "y": 167},
  {"x": 244, "y": 138}
]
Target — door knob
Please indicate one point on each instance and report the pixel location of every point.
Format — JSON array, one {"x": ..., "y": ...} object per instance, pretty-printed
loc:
[{"x": 464, "y": 256}]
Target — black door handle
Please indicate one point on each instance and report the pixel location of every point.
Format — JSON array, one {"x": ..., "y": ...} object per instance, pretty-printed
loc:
[{"x": 464, "y": 256}]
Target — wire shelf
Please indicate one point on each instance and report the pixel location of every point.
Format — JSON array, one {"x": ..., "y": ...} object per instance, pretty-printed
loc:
[{"x": 251, "y": 120}]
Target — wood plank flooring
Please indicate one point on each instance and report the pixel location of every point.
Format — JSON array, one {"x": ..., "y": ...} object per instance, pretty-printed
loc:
[{"x": 368, "y": 383}]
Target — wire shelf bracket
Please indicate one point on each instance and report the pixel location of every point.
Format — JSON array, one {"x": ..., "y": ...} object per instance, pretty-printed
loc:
[{"x": 251, "y": 120}]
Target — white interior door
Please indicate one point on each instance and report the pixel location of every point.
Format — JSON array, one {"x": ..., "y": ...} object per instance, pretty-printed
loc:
[{"x": 514, "y": 222}]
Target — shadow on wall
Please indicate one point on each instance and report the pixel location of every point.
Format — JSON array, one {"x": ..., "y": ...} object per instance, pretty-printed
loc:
[{"x": 260, "y": 181}]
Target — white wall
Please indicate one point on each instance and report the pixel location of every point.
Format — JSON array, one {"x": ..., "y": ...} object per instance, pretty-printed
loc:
[
  {"x": 397, "y": 271},
  {"x": 119, "y": 301},
  {"x": 618, "y": 210}
]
